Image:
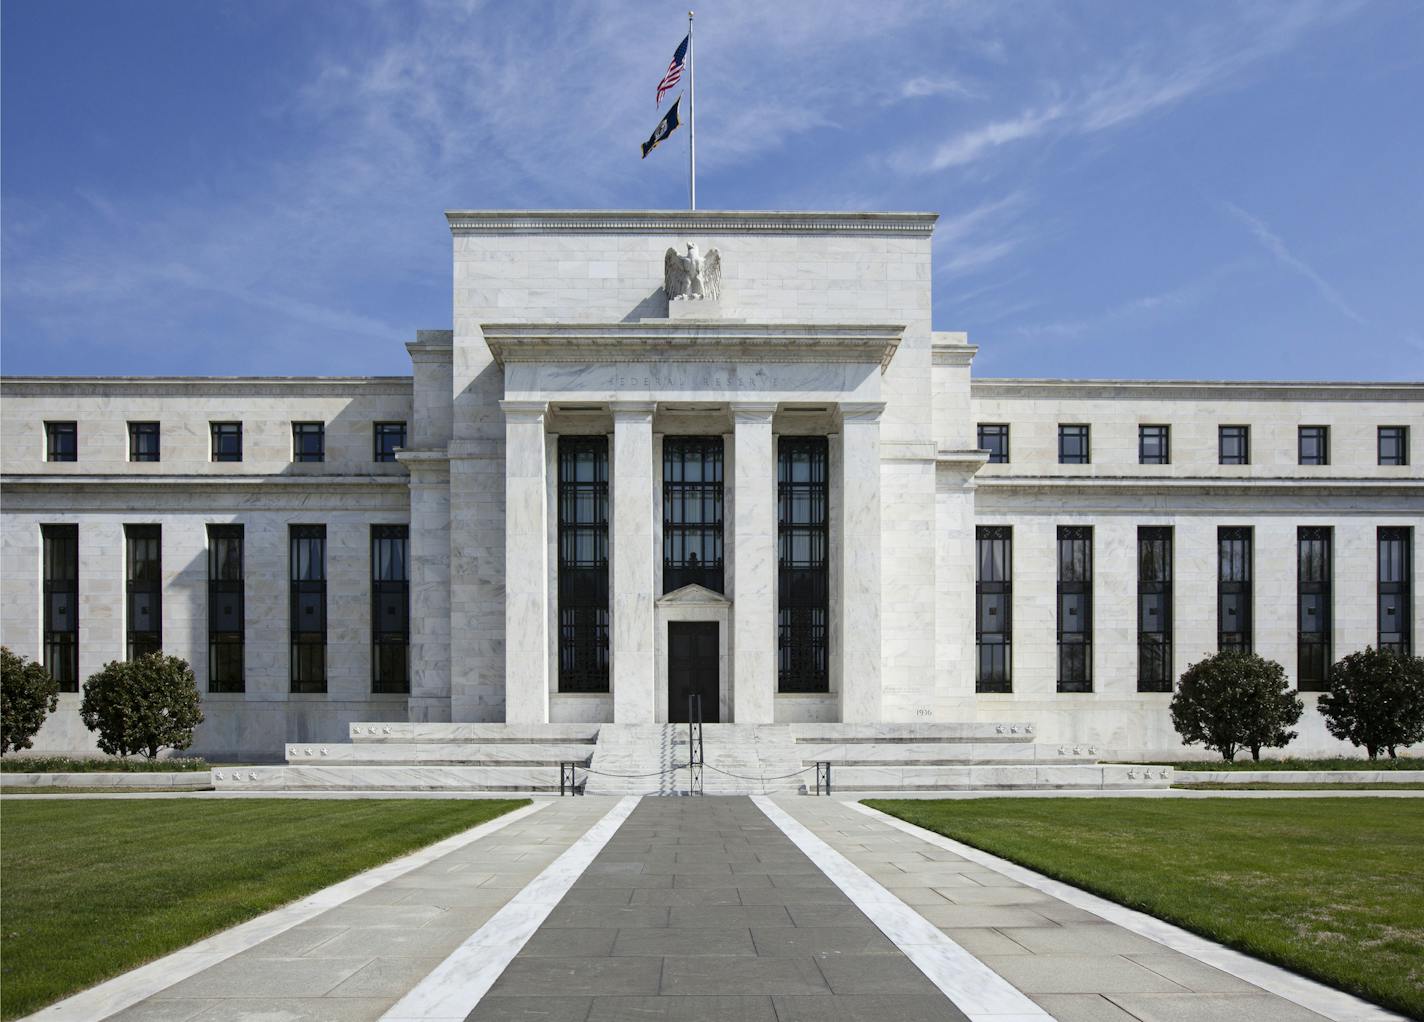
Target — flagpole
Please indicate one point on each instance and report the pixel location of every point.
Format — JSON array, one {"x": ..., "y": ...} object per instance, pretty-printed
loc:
[{"x": 691, "y": 120}]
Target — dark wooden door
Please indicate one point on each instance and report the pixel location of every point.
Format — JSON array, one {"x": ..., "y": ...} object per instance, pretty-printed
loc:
[{"x": 692, "y": 668}]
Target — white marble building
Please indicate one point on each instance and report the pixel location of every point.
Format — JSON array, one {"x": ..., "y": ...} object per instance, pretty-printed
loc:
[{"x": 840, "y": 497}]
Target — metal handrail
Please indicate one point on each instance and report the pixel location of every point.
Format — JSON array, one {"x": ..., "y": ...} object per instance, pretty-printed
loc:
[{"x": 696, "y": 755}]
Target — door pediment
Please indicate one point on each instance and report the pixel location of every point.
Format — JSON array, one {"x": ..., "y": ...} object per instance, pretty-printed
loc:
[{"x": 694, "y": 595}]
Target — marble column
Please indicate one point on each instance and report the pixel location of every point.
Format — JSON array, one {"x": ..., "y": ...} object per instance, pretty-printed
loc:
[
  {"x": 526, "y": 581},
  {"x": 754, "y": 546},
  {"x": 634, "y": 659},
  {"x": 859, "y": 609}
]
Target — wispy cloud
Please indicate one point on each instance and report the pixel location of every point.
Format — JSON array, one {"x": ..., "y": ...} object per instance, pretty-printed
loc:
[{"x": 1274, "y": 244}]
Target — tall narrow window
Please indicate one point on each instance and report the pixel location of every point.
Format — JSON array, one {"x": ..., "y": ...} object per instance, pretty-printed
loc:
[
  {"x": 1075, "y": 608},
  {"x": 61, "y": 441},
  {"x": 994, "y": 438},
  {"x": 1074, "y": 445},
  {"x": 390, "y": 608},
  {"x": 803, "y": 615},
  {"x": 1396, "y": 569},
  {"x": 227, "y": 441},
  {"x": 308, "y": 441},
  {"x": 692, "y": 512},
  {"x": 583, "y": 564},
  {"x": 390, "y": 437},
  {"x": 144, "y": 584},
  {"x": 1154, "y": 609},
  {"x": 1233, "y": 444},
  {"x": 1313, "y": 445},
  {"x": 1154, "y": 445},
  {"x": 61, "y": 604},
  {"x": 143, "y": 441},
  {"x": 993, "y": 613},
  {"x": 1233, "y": 589},
  {"x": 226, "y": 618},
  {"x": 307, "y": 562},
  {"x": 1313, "y": 607},
  {"x": 1394, "y": 445}
]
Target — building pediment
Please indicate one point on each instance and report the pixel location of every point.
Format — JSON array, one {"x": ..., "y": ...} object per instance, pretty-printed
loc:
[{"x": 693, "y": 595}]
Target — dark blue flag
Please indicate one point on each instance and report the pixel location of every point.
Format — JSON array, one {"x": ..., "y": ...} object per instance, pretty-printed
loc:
[{"x": 665, "y": 127}]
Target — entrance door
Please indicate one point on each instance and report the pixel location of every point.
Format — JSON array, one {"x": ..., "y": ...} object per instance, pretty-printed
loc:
[{"x": 692, "y": 668}]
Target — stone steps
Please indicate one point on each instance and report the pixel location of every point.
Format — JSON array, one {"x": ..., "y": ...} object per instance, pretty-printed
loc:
[{"x": 1080, "y": 776}]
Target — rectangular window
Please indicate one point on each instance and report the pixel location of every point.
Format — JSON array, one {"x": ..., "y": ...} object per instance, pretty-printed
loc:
[
  {"x": 1075, "y": 608},
  {"x": 1234, "y": 445},
  {"x": 1313, "y": 607},
  {"x": 61, "y": 441},
  {"x": 1396, "y": 571},
  {"x": 308, "y": 441},
  {"x": 227, "y": 441},
  {"x": 1394, "y": 445},
  {"x": 226, "y": 612},
  {"x": 1154, "y": 609},
  {"x": 1154, "y": 445},
  {"x": 1233, "y": 589},
  {"x": 143, "y": 441},
  {"x": 583, "y": 564},
  {"x": 1314, "y": 445},
  {"x": 803, "y": 567},
  {"x": 390, "y": 608},
  {"x": 61, "y": 604},
  {"x": 994, "y": 438},
  {"x": 307, "y": 563},
  {"x": 993, "y": 610},
  {"x": 144, "y": 585},
  {"x": 390, "y": 437},
  {"x": 1074, "y": 445},
  {"x": 692, "y": 512}
]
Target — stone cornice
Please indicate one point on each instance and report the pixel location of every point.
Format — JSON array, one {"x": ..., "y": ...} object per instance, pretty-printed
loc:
[
  {"x": 110, "y": 481},
  {"x": 164, "y": 386},
  {"x": 682, "y": 341},
  {"x": 663, "y": 221},
  {"x": 1156, "y": 390},
  {"x": 953, "y": 355},
  {"x": 1149, "y": 485}
]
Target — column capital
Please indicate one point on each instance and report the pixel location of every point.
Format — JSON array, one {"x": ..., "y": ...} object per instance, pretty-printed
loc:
[
  {"x": 523, "y": 411},
  {"x": 632, "y": 411},
  {"x": 864, "y": 412},
  {"x": 753, "y": 411}
]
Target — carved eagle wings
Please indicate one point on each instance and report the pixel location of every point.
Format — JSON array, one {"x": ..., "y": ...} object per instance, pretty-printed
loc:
[{"x": 692, "y": 275}]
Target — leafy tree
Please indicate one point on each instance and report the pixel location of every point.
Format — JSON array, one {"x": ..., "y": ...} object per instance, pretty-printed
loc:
[
  {"x": 143, "y": 705},
  {"x": 27, "y": 695},
  {"x": 1376, "y": 699},
  {"x": 1234, "y": 700}
]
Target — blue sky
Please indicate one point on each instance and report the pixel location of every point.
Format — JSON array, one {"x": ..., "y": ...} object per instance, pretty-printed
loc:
[{"x": 1127, "y": 189}]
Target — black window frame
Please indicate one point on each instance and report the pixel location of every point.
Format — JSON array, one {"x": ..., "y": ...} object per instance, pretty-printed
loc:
[
  {"x": 227, "y": 610},
  {"x": 382, "y": 433},
  {"x": 583, "y": 527},
  {"x": 1155, "y": 625},
  {"x": 803, "y": 653},
  {"x": 307, "y": 581},
  {"x": 56, "y": 431},
  {"x": 1399, "y": 436},
  {"x": 1312, "y": 445},
  {"x": 1233, "y": 432},
  {"x": 60, "y": 546},
  {"x": 1235, "y": 587},
  {"x": 1394, "y": 574},
  {"x": 219, "y": 432},
  {"x": 143, "y": 589},
  {"x": 1075, "y": 592},
  {"x": 140, "y": 435},
  {"x": 693, "y": 512},
  {"x": 994, "y": 438},
  {"x": 1315, "y": 573},
  {"x": 993, "y": 607},
  {"x": 302, "y": 431},
  {"x": 1082, "y": 433},
  {"x": 390, "y": 609},
  {"x": 1162, "y": 433}
]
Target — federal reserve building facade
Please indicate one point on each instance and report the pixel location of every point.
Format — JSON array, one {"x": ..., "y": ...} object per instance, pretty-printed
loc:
[{"x": 720, "y": 454}]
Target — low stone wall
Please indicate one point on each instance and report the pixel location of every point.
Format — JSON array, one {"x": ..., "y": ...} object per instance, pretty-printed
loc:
[
  {"x": 177, "y": 780},
  {"x": 1300, "y": 776}
]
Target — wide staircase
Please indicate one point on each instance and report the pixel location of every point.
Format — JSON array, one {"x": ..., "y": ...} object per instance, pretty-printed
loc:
[{"x": 656, "y": 759}]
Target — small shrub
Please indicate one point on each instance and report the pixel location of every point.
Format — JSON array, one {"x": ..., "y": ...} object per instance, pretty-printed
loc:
[
  {"x": 27, "y": 695},
  {"x": 1234, "y": 700},
  {"x": 142, "y": 706},
  {"x": 1376, "y": 699}
]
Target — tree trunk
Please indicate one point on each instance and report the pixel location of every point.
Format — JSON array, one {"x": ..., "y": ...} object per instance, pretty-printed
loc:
[
  {"x": 1256, "y": 753},
  {"x": 1371, "y": 751}
]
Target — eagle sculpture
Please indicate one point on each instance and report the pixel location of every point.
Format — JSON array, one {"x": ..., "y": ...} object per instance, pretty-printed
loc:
[{"x": 693, "y": 275}]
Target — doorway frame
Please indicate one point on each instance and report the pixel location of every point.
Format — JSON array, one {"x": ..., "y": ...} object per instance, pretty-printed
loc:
[{"x": 692, "y": 603}]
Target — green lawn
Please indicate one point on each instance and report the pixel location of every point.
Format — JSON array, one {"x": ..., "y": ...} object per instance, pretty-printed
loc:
[
  {"x": 1333, "y": 888},
  {"x": 93, "y": 888},
  {"x": 98, "y": 765},
  {"x": 1334, "y": 763}
]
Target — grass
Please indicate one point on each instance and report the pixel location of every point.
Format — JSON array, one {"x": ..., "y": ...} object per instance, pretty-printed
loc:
[
  {"x": 1336, "y": 763},
  {"x": 1300, "y": 786},
  {"x": 94, "y": 887},
  {"x": 1332, "y": 888},
  {"x": 97, "y": 765}
]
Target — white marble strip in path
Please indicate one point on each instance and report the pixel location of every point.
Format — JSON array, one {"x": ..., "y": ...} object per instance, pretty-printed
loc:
[
  {"x": 457, "y": 984},
  {"x": 1317, "y": 997},
  {"x": 138, "y": 984},
  {"x": 973, "y": 987}
]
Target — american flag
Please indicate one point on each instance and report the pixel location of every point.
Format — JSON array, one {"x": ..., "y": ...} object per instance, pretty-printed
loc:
[{"x": 674, "y": 71}]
